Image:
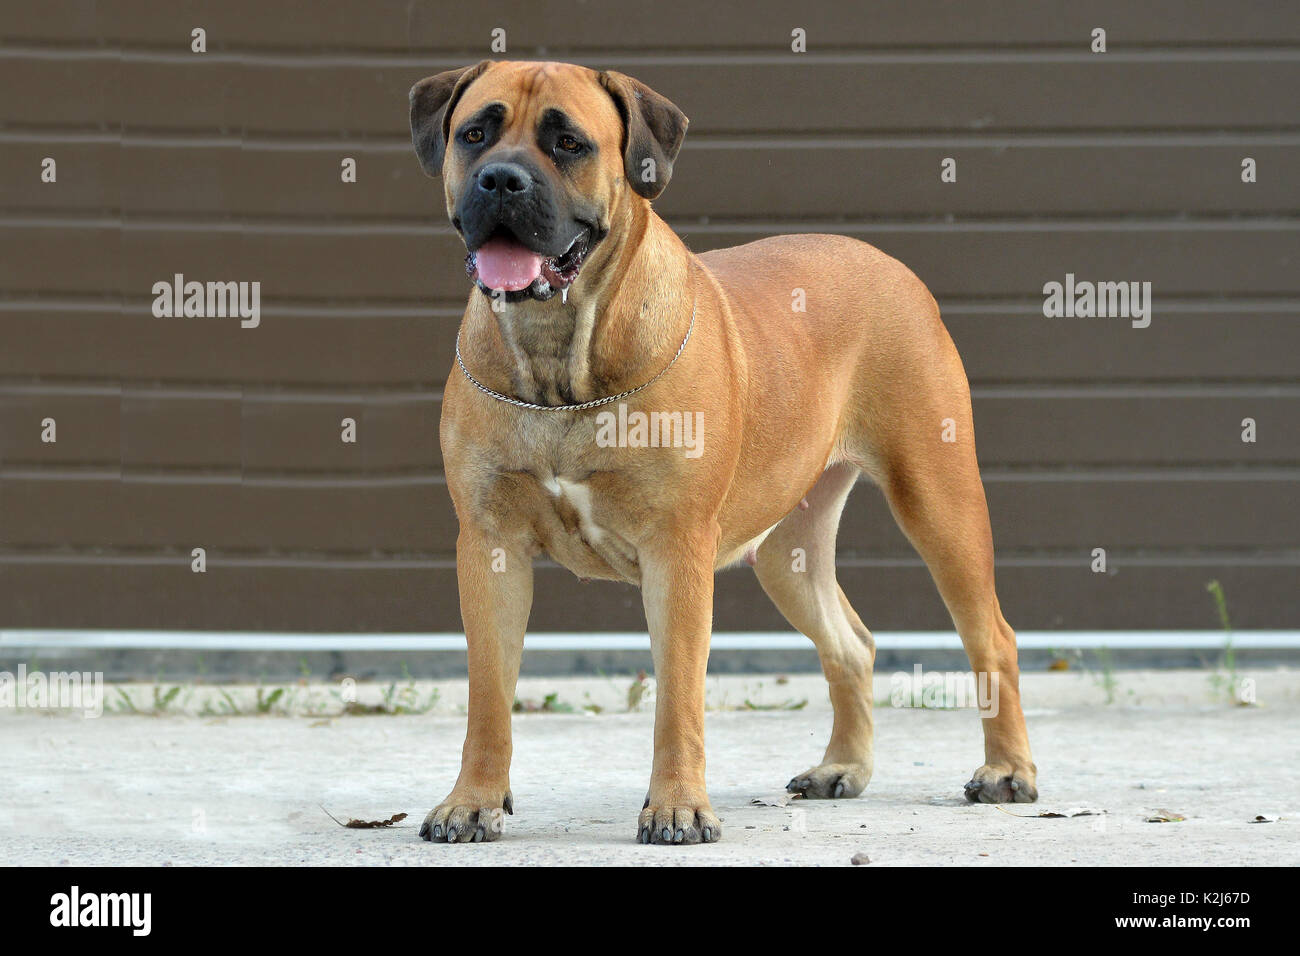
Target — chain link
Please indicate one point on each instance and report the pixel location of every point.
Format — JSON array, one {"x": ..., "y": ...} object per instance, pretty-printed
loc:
[{"x": 584, "y": 405}]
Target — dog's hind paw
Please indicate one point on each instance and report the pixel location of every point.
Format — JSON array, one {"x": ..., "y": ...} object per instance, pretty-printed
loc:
[
  {"x": 1002, "y": 784},
  {"x": 831, "y": 781}
]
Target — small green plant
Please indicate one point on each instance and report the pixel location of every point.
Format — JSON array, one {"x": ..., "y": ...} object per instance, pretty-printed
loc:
[
  {"x": 266, "y": 701},
  {"x": 161, "y": 700},
  {"x": 1224, "y": 680},
  {"x": 552, "y": 704},
  {"x": 1106, "y": 680}
]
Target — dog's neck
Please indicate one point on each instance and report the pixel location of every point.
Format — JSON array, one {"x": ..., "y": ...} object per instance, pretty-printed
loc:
[{"x": 594, "y": 341}]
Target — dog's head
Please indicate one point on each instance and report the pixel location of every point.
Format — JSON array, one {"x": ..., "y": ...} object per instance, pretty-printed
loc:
[{"x": 537, "y": 160}]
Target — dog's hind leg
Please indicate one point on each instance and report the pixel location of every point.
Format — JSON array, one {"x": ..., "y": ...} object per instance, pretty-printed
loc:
[
  {"x": 934, "y": 490},
  {"x": 796, "y": 566}
]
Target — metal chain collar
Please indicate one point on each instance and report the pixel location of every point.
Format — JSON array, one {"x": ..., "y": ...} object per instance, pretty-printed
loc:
[{"x": 579, "y": 407}]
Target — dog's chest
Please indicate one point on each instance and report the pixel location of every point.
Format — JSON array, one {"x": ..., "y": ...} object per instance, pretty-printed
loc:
[
  {"x": 574, "y": 535},
  {"x": 551, "y": 477}
]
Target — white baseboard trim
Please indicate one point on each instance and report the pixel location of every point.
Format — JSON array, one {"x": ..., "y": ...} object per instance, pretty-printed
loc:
[{"x": 63, "y": 639}]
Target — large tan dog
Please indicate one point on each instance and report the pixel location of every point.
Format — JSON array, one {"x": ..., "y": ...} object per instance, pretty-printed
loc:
[{"x": 585, "y": 294}]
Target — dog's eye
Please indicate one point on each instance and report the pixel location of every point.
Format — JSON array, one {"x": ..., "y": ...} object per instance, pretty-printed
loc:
[
  {"x": 472, "y": 135},
  {"x": 569, "y": 144}
]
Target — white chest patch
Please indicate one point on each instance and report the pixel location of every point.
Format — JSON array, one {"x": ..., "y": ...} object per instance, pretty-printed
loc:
[{"x": 579, "y": 496}]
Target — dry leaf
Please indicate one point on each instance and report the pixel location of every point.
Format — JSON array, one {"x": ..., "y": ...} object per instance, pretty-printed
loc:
[
  {"x": 1266, "y": 818},
  {"x": 366, "y": 824},
  {"x": 374, "y": 824}
]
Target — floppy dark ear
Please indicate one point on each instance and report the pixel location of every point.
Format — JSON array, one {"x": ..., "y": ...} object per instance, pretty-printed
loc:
[
  {"x": 433, "y": 100},
  {"x": 653, "y": 130}
]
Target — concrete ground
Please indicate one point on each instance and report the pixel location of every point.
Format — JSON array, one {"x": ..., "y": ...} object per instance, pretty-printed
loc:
[{"x": 182, "y": 789}]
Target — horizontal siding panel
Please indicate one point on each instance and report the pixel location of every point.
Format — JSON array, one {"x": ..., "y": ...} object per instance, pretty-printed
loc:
[
  {"x": 797, "y": 177},
  {"x": 88, "y": 175},
  {"x": 320, "y": 345},
  {"x": 401, "y": 433},
  {"x": 1081, "y": 512},
  {"x": 348, "y": 598},
  {"x": 415, "y": 516},
  {"x": 785, "y": 93},
  {"x": 1013, "y": 427},
  {"x": 564, "y": 25},
  {"x": 1182, "y": 343},
  {"x": 284, "y": 515},
  {"x": 777, "y": 96},
  {"x": 1029, "y": 430},
  {"x": 356, "y": 262},
  {"x": 186, "y": 431},
  {"x": 86, "y": 426},
  {"x": 363, "y": 347}
]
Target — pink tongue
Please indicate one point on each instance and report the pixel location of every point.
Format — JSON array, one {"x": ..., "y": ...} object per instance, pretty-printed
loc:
[{"x": 504, "y": 264}]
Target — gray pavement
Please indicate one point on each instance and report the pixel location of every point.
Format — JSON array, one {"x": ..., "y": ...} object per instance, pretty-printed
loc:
[{"x": 183, "y": 789}]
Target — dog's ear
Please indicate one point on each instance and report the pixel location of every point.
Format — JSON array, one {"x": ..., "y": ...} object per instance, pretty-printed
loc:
[
  {"x": 433, "y": 100},
  {"x": 653, "y": 129}
]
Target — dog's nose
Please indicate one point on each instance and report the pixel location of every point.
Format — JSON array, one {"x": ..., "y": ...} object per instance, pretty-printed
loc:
[{"x": 504, "y": 180}]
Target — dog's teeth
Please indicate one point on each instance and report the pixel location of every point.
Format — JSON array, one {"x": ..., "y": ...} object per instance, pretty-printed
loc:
[{"x": 564, "y": 295}]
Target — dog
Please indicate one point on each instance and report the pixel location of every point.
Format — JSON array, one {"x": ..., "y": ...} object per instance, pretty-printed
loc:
[{"x": 586, "y": 304}]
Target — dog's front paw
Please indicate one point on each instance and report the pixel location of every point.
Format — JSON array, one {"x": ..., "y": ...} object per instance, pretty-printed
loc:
[
  {"x": 999, "y": 783},
  {"x": 678, "y": 826},
  {"x": 455, "y": 821}
]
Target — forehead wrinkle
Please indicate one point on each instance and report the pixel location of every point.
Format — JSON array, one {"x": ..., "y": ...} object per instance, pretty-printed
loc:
[
  {"x": 519, "y": 90},
  {"x": 536, "y": 93},
  {"x": 530, "y": 89}
]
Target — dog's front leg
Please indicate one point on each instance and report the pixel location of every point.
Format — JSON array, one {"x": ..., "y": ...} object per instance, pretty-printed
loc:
[
  {"x": 677, "y": 585},
  {"x": 496, "y": 594}
]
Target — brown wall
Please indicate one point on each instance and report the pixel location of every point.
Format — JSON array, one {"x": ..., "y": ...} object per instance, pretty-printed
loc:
[{"x": 181, "y": 433}]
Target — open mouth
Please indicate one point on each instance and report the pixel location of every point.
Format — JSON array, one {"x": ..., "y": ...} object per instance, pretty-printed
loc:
[{"x": 505, "y": 266}]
